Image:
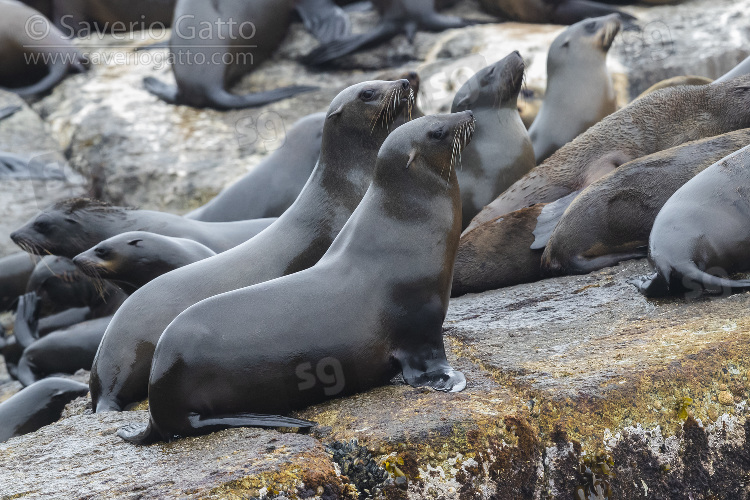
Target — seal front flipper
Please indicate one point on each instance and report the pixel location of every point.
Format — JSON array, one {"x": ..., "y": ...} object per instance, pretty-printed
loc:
[
  {"x": 325, "y": 20},
  {"x": 142, "y": 434},
  {"x": 435, "y": 373},
  {"x": 220, "y": 422},
  {"x": 167, "y": 93},
  {"x": 548, "y": 219},
  {"x": 9, "y": 111},
  {"x": 27, "y": 319},
  {"x": 340, "y": 48},
  {"x": 653, "y": 285}
]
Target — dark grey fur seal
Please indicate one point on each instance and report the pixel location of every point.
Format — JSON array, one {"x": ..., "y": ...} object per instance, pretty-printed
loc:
[
  {"x": 392, "y": 265},
  {"x": 15, "y": 271},
  {"x": 356, "y": 126}
]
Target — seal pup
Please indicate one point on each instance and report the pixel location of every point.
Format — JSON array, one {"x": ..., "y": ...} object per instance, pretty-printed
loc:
[
  {"x": 62, "y": 351},
  {"x": 130, "y": 260},
  {"x": 9, "y": 111},
  {"x": 272, "y": 186},
  {"x": 741, "y": 69},
  {"x": 206, "y": 66},
  {"x": 501, "y": 153},
  {"x": 72, "y": 226},
  {"x": 357, "y": 123},
  {"x": 396, "y": 17},
  {"x": 703, "y": 229},
  {"x": 15, "y": 271},
  {"x": 680, "y": 114},
  {"x": 579, "y": 87},
  {"x": 611, "y": 220},
  {"x": 393, "y": 263},
  {"x": 549, "y": 11},
  {"x": 37, "y": 405},
  {"x": 29, "y": 36}
]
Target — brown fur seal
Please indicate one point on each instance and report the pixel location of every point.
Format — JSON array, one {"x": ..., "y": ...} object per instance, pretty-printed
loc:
[
  {"x": 549, "y": 11},
  {"x": 15, "y": 271},
  {"x": 676, "y": 81},
  {"x": 243, "y": 35},
  {"x": 130, "y": 260},
  {"x": 29, "y": 37},
  {"x": 501, "y": 152},
  {"x": 579, "y": 87},
  {"x": 36, "y": 406},
  {"x": 271, "y": 187},
  {"x": 703, "y": 231},
  {"x": 356, "y": 126},
  {"x": 392, "y": 263},
  {"x": 659, "y": 121},
  {"x": 415, "y": 83},
  {"x": 498, "y": 254},
  {"x": 72, "y": 226},
  {"x": 397, "y": 16},
  {"x": 611, "y": 220}
]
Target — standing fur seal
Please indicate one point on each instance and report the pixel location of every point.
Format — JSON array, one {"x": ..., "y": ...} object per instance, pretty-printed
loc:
[
  {"x": 205, "y": 66},
  {"x": 501, "y": 153},
  {"x": 611, "y": 220},
  {"x": 392, "y": 264},
  {"x": 130, "y": 260},
  {"x": 271, "y": 187},
  {"x": 703, "y": 229},
  {"x": 15, "y": 271},
  {"x": 28, "y": 36},
  {"x": 579, "y": 87},
  {"x": 549, "y": 11},
  {"x": 356, "y": 126},
  {"x": 397, "y": 16},
  {"x": 36, "y": 406},
  {"x": 656, "y": 122},
  {"x": 72, "y": 226}
]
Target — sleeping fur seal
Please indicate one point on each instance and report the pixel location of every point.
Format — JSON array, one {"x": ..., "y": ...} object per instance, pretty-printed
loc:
[
  {"x": 392, "y": 265},
  {"x": 679, "y": 114},
  {"x": 501, "y": 152},
  {"x": 549, "y": 11},
  {"x": 36, "y": 406},
  {"x": 72, "y": 226},
  {"x": 356, "y": 125},
  {"x": 29, "y": 36},
  {"x": 244, "y": 34},
  {"x": 271, "y": 187},
  {"x": 703, "y": 231},
  {"x": 610, "y": 221},
  {"x": 579, "y": 87},
  {"x": 130, "y": 260}
]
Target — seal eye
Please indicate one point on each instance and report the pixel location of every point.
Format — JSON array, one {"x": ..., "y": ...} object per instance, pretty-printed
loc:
[
  {"x": 71, "y": 221},
  {"x": 437, "y": 134},
  {"x": 590, "y": 27},
  {"x": 101, "y": 252},
  {"x": 135, "y": 243},
  {"x": 42, "y": 226},
  {"x": 367, "y": 95}
]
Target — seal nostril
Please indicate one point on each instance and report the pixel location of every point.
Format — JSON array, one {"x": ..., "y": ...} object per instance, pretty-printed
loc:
[
  {"x": 405, "y": 84},
  {"x": 413, "y": 75}
]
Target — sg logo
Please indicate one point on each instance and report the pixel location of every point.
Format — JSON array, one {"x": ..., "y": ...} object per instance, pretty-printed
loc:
[{"x": 328, "y": 371}]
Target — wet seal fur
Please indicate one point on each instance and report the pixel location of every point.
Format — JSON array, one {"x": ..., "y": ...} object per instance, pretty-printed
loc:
[
  {"x": 38, "y": 405},
  {"x": 392, "y": 263},
  {"x": 272, "y": 186},
  {"x": 703, "y": 229},
  {"x": 132, "y": 259},
  {"x": 359, "y": 117},
  {"x": 656, "y": 122},
  {"x": 611, "y": 220},
  {"x": 17, "y": 75},
  {"x": 227, "y": 55},
  {"x": 72, "y": 226},
  {"x": 501, "y": 152},
  {"x": 579, "y": 87}
]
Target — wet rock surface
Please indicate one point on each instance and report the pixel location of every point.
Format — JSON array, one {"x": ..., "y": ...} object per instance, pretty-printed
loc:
[{"x": 576, "y": 385}]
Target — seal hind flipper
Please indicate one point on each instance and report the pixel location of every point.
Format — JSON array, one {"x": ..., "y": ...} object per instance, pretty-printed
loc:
[
  {"x": 220, "y": 422},
  {"x": 142, "y": 434},
  {"x": 27, "y": 320},
  {"x": 345, "y": 46},
  {"x": 25, "y": 372},
  {"x": 167, "y": 93},
  {"x": 548, "y": 219},
  {"x": 435, "y": 373},
  {"x": 573, "y": 11},
  {"x": 653, "y": 285},
  {"x": 222, "y": 100},
  {"x": 325, "y": 20},
  {"x": 9, "y": 111},
  {"x": 58, "y": 70}
]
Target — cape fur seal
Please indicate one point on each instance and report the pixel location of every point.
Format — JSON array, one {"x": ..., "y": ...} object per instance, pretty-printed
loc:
[
  {"x": 702, "y": 231},
  {"x": 29, "y": 37},
  {"x": 15, "y": 271},
  {"x": 501, "y": 152},
  {"x": 549, "y": 11},
  {"x": 356, "y": 125},
  {"x": 611, "y": 220},
  {"x": 244, "y": 35},
  {"x": 271, "y": 187},
  {"x": 130, "y": 260},
  {"x": 579, "y": 87},
  {"x": 679, "y": 114},
  {"x": 676, "y": 81},
  {"x": 72, "y": 226},
  {"x": 37, "y": 405},
  {"x": 396, "y": 16},
  {"x": 392, "y": 265}
]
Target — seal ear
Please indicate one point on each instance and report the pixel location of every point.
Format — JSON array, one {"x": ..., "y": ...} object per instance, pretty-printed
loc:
[
  {"x": 412, "y": 157},
  {"x": 336, "y": 112}
]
